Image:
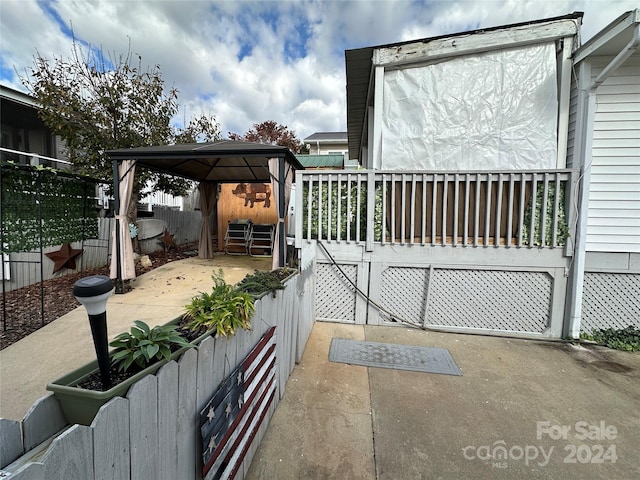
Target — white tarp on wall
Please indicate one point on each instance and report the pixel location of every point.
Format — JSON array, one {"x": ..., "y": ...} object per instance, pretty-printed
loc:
[{"x": 495, "y": 110}]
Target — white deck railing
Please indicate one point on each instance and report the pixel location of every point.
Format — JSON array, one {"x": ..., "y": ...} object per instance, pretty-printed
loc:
[{"x": 502, "y": 209}]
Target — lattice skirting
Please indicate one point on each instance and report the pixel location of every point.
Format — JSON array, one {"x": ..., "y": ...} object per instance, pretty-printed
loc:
[
  {"x": 479, "y": 299},
  {"x": 610, "y": 300},
  {"x": 490, "y": 299},
  {"x": 335, "y": 296}
]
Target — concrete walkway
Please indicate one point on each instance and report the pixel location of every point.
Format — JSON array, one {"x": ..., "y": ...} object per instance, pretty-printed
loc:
[
  {"x": 65, "y": 344},
  {"x": 522, "y": 409}
]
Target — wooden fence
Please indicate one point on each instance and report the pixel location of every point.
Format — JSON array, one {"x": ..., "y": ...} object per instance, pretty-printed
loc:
[{"x": 153, "y": 433}]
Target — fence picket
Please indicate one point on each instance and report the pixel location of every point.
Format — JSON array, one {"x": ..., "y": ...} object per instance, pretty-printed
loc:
[
  {"x": 44, "y": 419},
  {"x": 187, "y": 416},
  {"x": 10, "y": 441},
  {"x": 167, "y": 421},
  {"x": 70, "y": 455},
  {"x": 111, "y": 455},
  {"x": 143, "y": 428}
]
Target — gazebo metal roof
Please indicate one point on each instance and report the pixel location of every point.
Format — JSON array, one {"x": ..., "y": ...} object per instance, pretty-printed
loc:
[{"x": 224, "y": 161}]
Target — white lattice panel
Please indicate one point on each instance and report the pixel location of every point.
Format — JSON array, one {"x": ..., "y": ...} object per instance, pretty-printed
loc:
[
  {"x": 610, "y": 300},
  {"x": 403, "y": 291},
  {"x": 490, "y": 299},
  {"x": 335, "y": 296}
]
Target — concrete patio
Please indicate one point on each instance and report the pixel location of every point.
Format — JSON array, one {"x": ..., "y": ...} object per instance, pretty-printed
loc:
[
  {"x": 343, "y": 421},
  {"x": 158, "y": 296}
]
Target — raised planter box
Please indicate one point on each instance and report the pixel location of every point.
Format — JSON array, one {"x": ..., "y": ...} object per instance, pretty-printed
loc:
[{"x": 80, "y": 405}]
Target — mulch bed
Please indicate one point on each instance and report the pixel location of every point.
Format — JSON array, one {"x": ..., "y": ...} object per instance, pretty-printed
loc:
[{"x": 23, "y": 306}]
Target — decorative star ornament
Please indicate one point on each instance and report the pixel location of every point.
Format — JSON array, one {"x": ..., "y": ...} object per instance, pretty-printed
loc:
[
  {"x": 64, "y": 258},
  {"x": 167, "y": 239}
]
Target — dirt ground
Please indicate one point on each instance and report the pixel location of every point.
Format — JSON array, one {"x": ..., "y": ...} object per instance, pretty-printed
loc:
[{"x": 23, "y": 306}]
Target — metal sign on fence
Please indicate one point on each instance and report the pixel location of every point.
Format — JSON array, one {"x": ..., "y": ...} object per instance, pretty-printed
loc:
[{"x": 231, "y": 418}]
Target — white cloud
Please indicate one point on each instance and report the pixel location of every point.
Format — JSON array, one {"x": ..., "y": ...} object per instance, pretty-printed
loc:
[{"x": 293, "y": 65}]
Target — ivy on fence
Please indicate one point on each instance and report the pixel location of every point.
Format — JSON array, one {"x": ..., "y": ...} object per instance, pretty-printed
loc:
[
  {"x": 41, "y": 207},
  {"x": 344, "y": 196}
]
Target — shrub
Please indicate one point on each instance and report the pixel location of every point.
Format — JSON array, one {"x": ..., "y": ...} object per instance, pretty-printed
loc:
[
  {"x": 144, "y": 345},
  {"x": 224, "y": 310}
]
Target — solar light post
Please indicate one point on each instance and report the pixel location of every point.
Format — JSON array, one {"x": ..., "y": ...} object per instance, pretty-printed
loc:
[{"x": 93, "y": 292}]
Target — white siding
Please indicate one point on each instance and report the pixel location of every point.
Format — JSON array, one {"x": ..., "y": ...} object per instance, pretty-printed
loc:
[{"x": 613, "y": 223}]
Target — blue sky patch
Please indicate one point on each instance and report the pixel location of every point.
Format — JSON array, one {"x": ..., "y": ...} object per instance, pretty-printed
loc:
[
  {"x": 6, "y": 71},
  {"x": 295, "y": 45},
  {"x": 48, "y": 8}
]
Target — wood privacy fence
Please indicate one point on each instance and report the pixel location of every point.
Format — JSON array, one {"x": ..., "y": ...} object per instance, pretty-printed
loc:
[
  {"x": 503, "y": 209},
  {"x": 153, "y": 433}
]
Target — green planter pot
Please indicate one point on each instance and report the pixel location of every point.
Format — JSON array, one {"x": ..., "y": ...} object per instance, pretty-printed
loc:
[{"x": 80, "y": 405}]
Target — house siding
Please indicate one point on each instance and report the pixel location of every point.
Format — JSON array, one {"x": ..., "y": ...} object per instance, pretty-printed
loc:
[
  {"x": 613, "y": 223},
  {"x": 573, "y": 113}
]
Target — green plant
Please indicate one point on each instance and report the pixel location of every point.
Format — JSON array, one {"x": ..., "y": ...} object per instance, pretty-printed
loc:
[
  {"x": 143, "y": 345},
  {"x": 262, "y": 282},
  {"x": 225, "y": 309},
  {"x": 627, "y": 339}
]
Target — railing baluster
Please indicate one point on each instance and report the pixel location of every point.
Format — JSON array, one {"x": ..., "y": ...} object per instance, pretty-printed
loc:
[
  {"x": 445, "y": 188},
  {"x": 320, "y": 205},
  {"x": 358, "y": 196},
  {"x": 510, "y": 213},
  {"x": 534, "y": 194},
  {"x": 465, "y": 225},
  {"x": 413, "y": 209},
  {"x": 543, "y": 225},
  {"x": 476, "y": 228},
  {"x": 523, "y": 190},
  {"x": 329, "y": 207},
  {"x": 403, "y": 210},
  {"x": 309, "y": 206},
  {"x": 456, "y": 193},
  {"x": 384, "y": 207},
  {"x": 347, "y": 217},
  {"x": 423, "y": 239},
  {"x": 338, "y": 206},
  {"x": 487, "y": 218},
  {"x": 393, "y": 208},
  {"x": 496, "y": 238},
  {"x": 556, "y": 206},
  {"x": 434, "y": 202}
]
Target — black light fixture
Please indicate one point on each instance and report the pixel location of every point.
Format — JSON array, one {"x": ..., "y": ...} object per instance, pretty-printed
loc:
[{"x": 93, "y": 292}]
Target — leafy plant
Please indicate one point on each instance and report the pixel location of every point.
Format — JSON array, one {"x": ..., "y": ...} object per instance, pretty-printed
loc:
[
  {"x": 143, "y": 345},
  {"x": 627, "y": 339},
  {"x": 225, "y": 309},
  {"x": 262, "y": 282}
]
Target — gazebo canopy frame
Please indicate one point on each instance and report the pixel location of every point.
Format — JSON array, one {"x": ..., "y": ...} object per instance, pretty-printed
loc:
[{"x": 223, "y": 161}]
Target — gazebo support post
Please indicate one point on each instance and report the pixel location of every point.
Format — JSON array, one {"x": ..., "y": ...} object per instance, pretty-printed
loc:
[
  {"x": 281, "y": 212},
  {"x": 119, "y": 286}
]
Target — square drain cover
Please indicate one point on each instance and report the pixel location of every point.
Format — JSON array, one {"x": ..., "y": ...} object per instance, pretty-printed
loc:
[{"x": 390, "y": 355}]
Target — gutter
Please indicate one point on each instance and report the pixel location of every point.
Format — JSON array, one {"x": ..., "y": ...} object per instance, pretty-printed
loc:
[{"x": 577, "y": 283}]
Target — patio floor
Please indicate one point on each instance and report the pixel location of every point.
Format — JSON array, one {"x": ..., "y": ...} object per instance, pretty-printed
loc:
[
  {"x": 65, "y": 344},
  {"x": 342, "y": 421}
]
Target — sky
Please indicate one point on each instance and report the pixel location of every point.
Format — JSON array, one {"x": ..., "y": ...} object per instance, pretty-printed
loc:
[{"x": 245, "y": 62}]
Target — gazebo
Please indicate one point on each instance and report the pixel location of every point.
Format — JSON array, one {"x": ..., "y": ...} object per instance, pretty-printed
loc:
[{"x": 208, "y": 164}]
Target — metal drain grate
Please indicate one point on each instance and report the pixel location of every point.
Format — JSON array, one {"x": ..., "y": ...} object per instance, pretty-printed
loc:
[{"x": 389, "y": 355}]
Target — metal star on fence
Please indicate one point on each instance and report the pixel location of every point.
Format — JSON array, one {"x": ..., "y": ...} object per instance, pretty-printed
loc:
[{"x": 64, "y": 258}]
